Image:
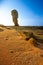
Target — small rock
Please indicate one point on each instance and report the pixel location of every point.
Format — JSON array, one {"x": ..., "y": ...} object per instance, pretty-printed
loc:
[
  {"x": 6, "y": 39},
  {"x": 11, "y": 51}
]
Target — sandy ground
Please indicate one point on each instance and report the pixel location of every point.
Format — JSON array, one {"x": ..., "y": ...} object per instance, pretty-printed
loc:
[{"x": 21, "y": 47}]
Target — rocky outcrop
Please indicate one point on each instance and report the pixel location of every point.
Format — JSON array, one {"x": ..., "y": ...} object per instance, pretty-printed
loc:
[{"x": 14, "y": 14}]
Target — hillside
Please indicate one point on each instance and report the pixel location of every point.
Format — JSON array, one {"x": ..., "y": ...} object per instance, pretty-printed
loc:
[{"x": 21, "y": 45}]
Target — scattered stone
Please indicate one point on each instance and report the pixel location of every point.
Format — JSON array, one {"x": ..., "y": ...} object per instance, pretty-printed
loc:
[
  {"x": 6, "y": 39},
  {"x": 11, "y": 51}
]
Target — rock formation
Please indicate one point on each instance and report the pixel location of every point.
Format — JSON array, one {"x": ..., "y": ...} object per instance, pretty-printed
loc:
[{"x": 14, "y": 14}]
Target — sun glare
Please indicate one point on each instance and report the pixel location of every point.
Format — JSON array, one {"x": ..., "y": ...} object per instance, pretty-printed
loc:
[{"x": 5, "y": 18}]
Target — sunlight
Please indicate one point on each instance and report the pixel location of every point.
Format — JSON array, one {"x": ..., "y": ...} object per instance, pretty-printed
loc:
[{"x": 5, "y": 18}]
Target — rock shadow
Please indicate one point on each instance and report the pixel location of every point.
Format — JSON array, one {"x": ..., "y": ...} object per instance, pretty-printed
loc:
[{"x": 38, "y": 40}]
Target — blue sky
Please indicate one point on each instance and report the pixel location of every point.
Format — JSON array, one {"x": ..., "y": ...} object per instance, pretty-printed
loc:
[{"x": 30, "y": 12}]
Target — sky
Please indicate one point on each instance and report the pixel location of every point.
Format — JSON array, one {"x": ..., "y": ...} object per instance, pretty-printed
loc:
[{"x": 30, "y": 12}]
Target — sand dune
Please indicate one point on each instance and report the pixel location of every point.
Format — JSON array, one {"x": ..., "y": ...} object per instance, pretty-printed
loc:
[{"x": 21, "y": 46}]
